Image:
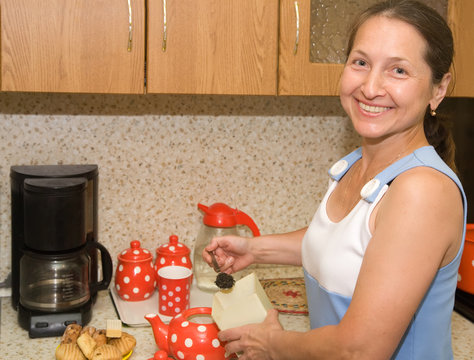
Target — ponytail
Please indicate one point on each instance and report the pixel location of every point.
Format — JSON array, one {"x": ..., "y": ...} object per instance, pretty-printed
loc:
[{"x": 438, "y": 132}]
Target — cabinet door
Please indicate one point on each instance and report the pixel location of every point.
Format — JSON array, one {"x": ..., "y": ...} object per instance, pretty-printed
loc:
[
  {"x": 297, "y": 74},
  {"x": 72, "y": 46},
  {"x": 461, "y": 21},
  {"x": 212, "y": 46}
]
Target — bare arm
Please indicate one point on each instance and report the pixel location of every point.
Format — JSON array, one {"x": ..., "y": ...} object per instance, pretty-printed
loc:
[
  {"x": 284, "y": 249},
  {"x": 234, "y": 253},
  {"x": 418, "y": 229}
]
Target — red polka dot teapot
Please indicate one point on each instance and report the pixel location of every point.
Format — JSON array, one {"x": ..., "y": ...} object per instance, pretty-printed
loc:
[
  {"x": 135, "y": 276},
  {"x": 172, "y": 253},
  {"x": 190, "y": 335}
]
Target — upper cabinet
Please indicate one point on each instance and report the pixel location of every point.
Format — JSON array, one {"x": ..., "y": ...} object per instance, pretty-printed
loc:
[
  {"x": 91, "y": 46},
  {"x": 212, "y": 46},
  {"x": 298, "y": 75},
  {"x": 461, "y": 21},
  {"x": 241, "y": 47},
  {"x": 313, "y": 39}
]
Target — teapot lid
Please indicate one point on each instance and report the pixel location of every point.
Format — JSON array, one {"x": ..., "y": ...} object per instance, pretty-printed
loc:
[
  {"x": 135, "y": 253},
  {"x": 173, "y": 247}
]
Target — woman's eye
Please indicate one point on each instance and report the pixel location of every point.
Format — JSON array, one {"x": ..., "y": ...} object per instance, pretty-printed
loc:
[
  {"x": 400, "y": 71},
  {"x": 360, "y": 62}
]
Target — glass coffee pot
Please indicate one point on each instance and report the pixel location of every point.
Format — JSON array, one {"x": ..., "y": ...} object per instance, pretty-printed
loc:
[
  {"x": 219, "y": 220},
  {"x": 57, "y": 282}
]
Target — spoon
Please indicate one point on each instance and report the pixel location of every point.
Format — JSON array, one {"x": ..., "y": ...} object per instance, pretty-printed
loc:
[
  {"x": 217, "y": 269},
  {"x": 223, "y": 280}
]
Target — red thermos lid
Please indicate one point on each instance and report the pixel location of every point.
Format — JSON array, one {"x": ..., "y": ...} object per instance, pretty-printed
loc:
[{"x": 222, "y": 215}]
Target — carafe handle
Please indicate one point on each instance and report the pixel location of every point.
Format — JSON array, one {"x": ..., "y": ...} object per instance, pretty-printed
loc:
[
  {"x": 106, "y": 268},
  {"x": 244, "y": 219}
]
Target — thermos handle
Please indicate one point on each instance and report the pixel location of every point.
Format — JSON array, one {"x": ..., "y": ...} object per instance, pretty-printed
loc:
[
  {"x": 106, "y": 268},
  {"x": 244, "y": 219}
]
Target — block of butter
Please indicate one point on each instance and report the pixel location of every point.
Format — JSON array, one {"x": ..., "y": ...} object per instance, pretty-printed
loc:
[{"x": 246, "y": 303}]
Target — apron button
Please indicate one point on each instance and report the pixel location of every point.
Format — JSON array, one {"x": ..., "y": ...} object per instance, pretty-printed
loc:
[
  {"x": 369, "y": 188},
  {"x": 338, "y": 167}
]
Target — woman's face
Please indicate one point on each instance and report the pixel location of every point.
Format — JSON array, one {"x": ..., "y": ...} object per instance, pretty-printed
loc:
[{"x": 386, "y": 83}]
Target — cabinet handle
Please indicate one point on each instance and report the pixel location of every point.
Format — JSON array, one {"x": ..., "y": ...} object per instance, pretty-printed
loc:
[
  {"x": 129, "y": 48},
  {"x": 165, "y": 33},
  {"x": 297, "y": 37}
]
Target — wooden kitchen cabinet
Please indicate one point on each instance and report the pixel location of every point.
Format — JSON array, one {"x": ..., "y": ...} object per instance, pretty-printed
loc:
[
  {"x": 78, "y": 46},
  {"x": 299, "y": 76},
  {"x": 461, "y": 21},
  {"x": 212, "y": 46},
  {"x": 244, "y": 47}
]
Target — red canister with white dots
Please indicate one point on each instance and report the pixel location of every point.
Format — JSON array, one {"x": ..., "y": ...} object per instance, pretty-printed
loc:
[
  {"x": 173, "y": 253},
  {"x": 135, "y": 275}
]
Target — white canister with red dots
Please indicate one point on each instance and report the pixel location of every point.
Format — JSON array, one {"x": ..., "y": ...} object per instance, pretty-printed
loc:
[
  {"x": 173, "y": 253},
  {"x": 135, "y": 276}
]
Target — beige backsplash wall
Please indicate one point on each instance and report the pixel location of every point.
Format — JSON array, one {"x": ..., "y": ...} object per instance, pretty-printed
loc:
[{"x": 159, "y": 155}]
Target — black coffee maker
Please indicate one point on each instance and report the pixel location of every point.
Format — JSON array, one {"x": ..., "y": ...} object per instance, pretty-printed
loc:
[{"x": 55, "y": 259}]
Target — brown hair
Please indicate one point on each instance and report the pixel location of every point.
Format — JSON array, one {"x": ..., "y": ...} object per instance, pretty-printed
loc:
[{"x": 439, "y": 56}]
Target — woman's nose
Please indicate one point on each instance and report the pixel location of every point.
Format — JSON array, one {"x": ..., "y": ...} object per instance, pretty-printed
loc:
[{"x": 373, "y": 85}]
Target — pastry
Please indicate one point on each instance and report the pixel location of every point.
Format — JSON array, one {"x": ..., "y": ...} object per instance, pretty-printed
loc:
[
  {"x": 71, "y": 334},
  {"x": 125, "y": 343},
  {"x": 69, "y": 352},
  {"x": 106, "y": 352},
  {"x": 87, "y": 344},
  {"x": 88, "y": 329},
  {"x": 99, "y": 337}
]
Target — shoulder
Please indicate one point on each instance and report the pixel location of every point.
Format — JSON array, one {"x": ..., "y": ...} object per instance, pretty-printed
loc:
[
  {"x": 423, "y": 204},
  {"x": 427, "y": 184},
  {"x": 424, "y": 198}
]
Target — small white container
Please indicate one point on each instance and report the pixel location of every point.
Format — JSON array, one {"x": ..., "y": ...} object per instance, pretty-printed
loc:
[{"x": 246, "y": 303}]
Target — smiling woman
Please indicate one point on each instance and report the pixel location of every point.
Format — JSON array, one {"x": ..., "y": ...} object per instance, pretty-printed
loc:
[
  {"x": 381, "y": 255},
  {"x": 378, "y": 88}
]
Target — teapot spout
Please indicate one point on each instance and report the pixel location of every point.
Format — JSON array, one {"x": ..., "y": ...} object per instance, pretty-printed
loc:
[{"x": 160, "y": 331}]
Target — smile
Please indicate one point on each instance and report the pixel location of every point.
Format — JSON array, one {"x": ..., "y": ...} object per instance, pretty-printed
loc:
[{"x": 373, "y": 109}]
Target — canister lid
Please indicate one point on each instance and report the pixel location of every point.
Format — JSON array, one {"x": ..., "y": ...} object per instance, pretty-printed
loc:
[
  {"x": 135, "y": 253},
  {"x": 173, "y": 247}
]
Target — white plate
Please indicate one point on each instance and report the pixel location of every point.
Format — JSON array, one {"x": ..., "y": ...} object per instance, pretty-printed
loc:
[{"x": 132, "y": 313}]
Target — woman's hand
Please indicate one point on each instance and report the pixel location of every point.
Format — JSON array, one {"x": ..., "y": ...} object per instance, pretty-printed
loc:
[
  {"x": 252, "y": 341},
  {"x": 232, "y": 253}
]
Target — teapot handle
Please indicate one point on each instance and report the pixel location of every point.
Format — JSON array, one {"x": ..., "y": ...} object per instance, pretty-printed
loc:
[
  {"x": 244, "y": 219},
  {"x": 197, "y": 311}
]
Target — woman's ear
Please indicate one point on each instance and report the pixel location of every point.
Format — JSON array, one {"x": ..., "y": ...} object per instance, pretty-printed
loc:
[{"x": 439, "y": 91}]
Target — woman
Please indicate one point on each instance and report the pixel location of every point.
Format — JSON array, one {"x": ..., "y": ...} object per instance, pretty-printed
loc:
[{"x": 381, "y": 254}]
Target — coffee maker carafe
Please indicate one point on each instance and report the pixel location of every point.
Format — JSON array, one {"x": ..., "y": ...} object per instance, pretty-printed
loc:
[{"x": 53, "y": 249}]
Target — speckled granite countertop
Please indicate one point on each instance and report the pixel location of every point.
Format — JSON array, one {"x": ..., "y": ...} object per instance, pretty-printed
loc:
[{"x": 15, "y": 344}]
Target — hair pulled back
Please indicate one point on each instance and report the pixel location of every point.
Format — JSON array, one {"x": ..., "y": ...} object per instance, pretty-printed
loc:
[{"x": 439, "y": 56}]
